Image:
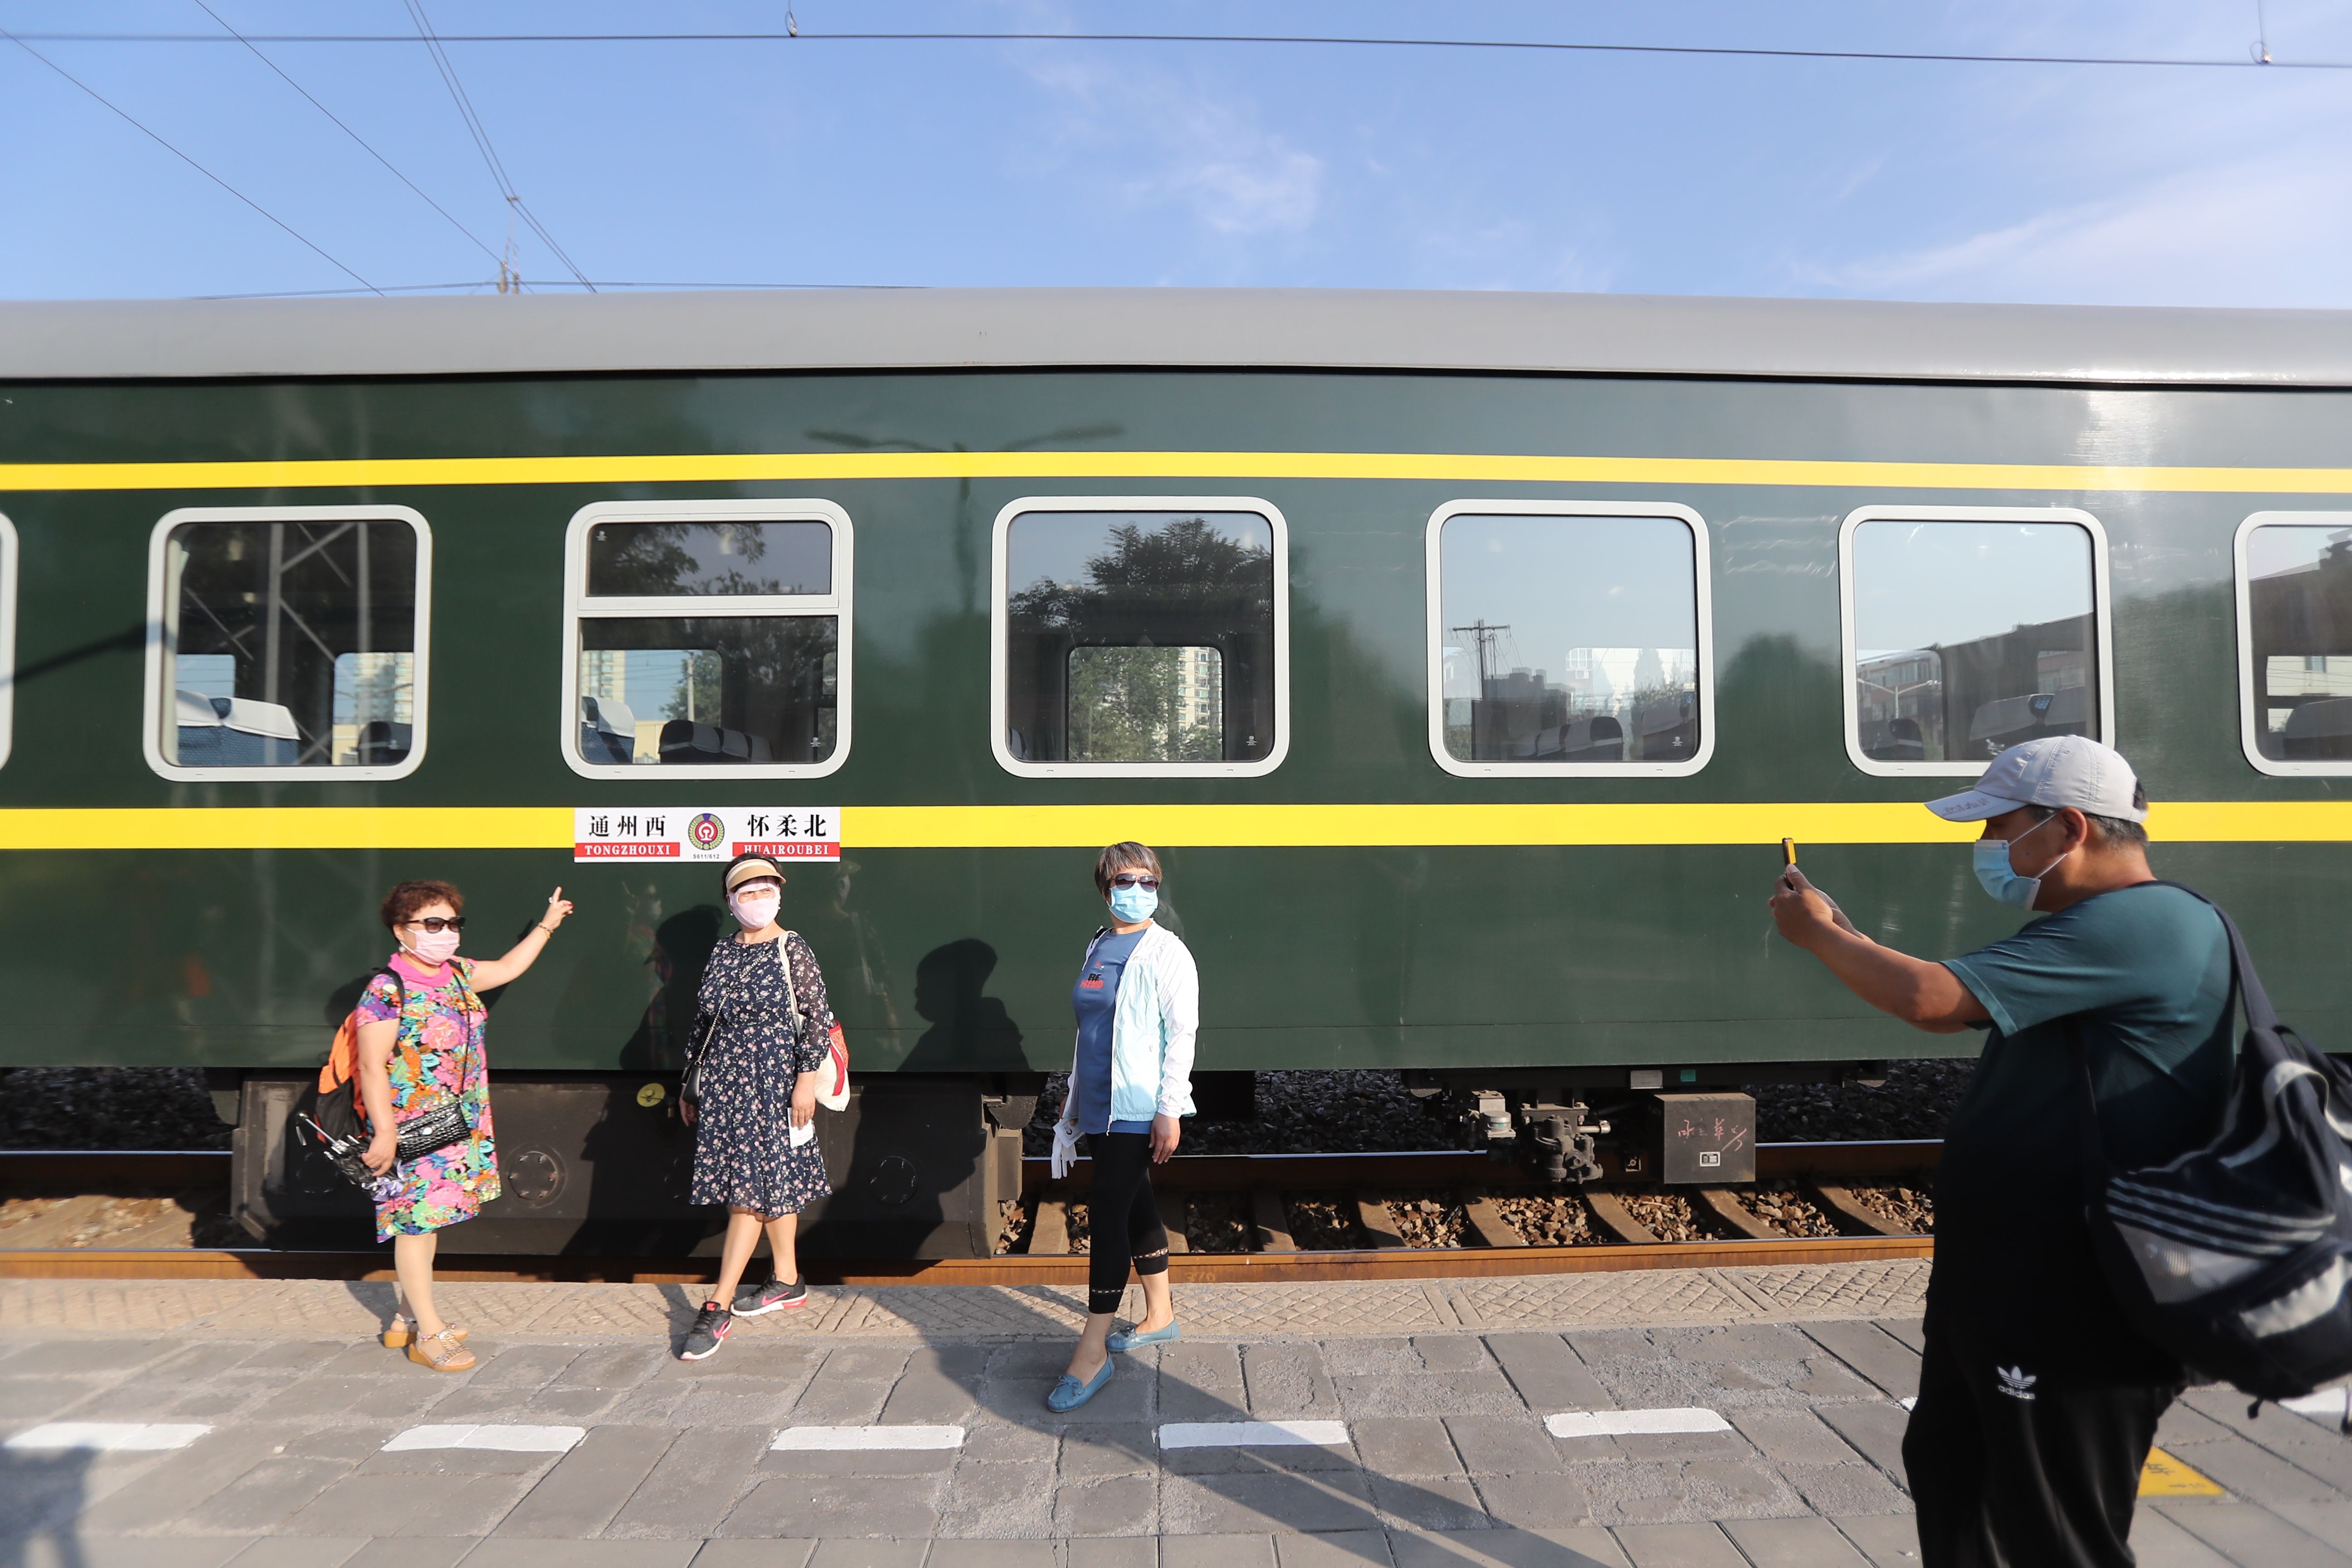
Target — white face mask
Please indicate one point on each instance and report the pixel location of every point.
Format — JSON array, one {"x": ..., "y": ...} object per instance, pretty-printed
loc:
[
  {"x": 756, "y": 910},
  {"x": 433, "y": 948}
]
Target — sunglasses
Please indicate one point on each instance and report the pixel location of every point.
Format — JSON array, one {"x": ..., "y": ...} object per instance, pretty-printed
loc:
[
  {"x": 1124, "y": 880},
  {"x": 436, "y": 924}
]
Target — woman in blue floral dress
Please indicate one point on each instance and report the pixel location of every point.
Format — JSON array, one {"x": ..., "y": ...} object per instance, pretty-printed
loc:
[
  {"x": 420, "y": 1048},
  {"x": 755, "y": 1146}
]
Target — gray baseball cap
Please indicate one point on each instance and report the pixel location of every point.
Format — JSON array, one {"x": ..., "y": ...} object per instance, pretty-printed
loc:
[{"x": 2056, "y": 770}]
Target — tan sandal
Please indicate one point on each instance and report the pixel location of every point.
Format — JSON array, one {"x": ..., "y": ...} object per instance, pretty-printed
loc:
[
  {"x": 400, "y": 1331},
  {"x": 450, "y": 1357}
]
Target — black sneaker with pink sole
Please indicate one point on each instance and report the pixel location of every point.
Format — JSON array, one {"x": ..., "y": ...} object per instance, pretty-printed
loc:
[
  {"x": 775, "y": 1296},
  {"x": 710, "y": 1331}
]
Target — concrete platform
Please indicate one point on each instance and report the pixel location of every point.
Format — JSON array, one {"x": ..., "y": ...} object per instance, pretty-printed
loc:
[{"x": 1741, "y": 1416}]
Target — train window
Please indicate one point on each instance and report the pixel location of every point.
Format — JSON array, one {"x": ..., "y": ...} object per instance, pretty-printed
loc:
[
  {"x": 1970, "y": 630},
  {"x": 7, "y": 634},
  {"x": 709, "y": 639},
  {"x": 2294, "y": 641},
  {"x": 1569, "y": 639},
  {"x": 287, "y": 640},
  {"x": 1140, "y": 636}
]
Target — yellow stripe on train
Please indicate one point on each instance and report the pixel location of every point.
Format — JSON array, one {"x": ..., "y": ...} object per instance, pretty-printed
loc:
[
  {"x": 1261, "y": 825},
  {"x": 723, "y": 468}
]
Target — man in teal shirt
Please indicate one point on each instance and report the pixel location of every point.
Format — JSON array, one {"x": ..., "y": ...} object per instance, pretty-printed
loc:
[{"x": 2037, "y": 1401}]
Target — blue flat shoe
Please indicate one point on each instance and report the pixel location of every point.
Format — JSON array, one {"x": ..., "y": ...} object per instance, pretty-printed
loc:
[
  {"x": 1069, "y": 1394},
  {"x": 1122, "y": 1341}
]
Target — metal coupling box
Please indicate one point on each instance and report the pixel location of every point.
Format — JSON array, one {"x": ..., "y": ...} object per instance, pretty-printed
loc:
[{"x": 1706, "y": 1139}]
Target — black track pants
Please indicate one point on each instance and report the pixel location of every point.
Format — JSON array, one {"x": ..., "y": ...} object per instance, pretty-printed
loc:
[
  {"x": 1122, "y": 1220},
  {"x": 2013, "y": 1468}
]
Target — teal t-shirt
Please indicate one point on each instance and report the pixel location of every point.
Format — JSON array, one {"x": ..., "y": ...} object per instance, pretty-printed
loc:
[{"x": 2146, "y": 968}]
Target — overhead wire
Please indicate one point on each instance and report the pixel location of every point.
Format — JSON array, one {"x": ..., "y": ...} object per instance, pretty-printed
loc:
[
  {"x": 481, "y": 135},
  {"x": 1919, "y": 56},
  {"x": 312, "y": 245},
  {"x": 347, "y": 131}
]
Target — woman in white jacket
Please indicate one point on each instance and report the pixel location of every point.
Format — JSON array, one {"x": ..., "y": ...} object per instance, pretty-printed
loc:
[{"x": 1138, "y": 1001}]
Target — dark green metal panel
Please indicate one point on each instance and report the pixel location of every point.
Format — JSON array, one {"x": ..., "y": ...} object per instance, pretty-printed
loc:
[{"x": 961, "y": 960}]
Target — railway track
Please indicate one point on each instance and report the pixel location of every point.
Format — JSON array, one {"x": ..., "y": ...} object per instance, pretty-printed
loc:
[{"x": 1230, "y": 1218}]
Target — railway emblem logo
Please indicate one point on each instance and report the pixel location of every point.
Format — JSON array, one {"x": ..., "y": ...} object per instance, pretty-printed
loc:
[
  {"x": 705, "y": 832},
  {"x": 2015, "y": 1382}
]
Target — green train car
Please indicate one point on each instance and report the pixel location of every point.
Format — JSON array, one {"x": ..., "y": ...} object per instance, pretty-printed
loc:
[{"x": 1467, "y": 657}]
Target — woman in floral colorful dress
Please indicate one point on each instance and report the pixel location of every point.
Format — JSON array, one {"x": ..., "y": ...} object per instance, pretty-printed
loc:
[{"x": 420, "y": 1049}]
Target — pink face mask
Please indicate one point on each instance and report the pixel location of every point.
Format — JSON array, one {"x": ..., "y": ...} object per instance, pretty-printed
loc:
[{"x": 433, "y": 948}]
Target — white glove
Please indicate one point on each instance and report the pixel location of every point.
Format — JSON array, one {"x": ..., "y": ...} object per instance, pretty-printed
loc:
[{"x": 1065, "y": 1147}]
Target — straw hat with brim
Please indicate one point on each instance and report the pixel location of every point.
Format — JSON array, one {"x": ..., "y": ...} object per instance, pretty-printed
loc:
[{"x": 749, "y": 867}]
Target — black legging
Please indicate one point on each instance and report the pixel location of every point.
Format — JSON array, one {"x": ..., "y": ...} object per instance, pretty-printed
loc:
[{"x": 1123, "y": 1222}]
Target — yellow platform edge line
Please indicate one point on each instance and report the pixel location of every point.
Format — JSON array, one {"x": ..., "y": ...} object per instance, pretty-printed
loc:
[
  {"x": 371, "y": 473},
  {"x": 2164, "y": 1476},
  {"x": 1266, "y": 826}
]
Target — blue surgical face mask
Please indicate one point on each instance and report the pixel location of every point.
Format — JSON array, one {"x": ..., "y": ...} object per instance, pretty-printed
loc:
[
  {"x": 1133, "y": 904},
  {"x": 2000, "y": 878}
]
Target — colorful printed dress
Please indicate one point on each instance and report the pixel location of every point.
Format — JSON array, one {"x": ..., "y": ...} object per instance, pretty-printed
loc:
[
  {"x": 436, "y": 1056},
  {"x": 743, "y": 1153}
]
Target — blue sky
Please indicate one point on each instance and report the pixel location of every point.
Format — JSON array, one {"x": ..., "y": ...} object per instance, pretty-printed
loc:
[{"x": 997, "y": 163}]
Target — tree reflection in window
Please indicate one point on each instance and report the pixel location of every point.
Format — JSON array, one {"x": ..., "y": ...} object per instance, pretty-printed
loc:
[
  {"x": 663, "y": 560},
  {"x": 1140, "y": 638}
]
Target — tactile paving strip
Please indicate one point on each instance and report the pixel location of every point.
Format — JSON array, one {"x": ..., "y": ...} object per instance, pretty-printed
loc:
[{"x": 299, "y": 1308}]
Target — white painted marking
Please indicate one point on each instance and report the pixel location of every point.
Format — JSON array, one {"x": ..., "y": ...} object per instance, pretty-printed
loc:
[
  {"x": 1625, "y": 1423},
  {"x": 504, "y": 1439},
  {"x": 1910, "y": 1404},
  {"x": 864, "y": 1439},
  {"x": 1253, "y": 1434},
  {"x": 109, "y": 1436},
  {"x": 2327, "y": 1405}
]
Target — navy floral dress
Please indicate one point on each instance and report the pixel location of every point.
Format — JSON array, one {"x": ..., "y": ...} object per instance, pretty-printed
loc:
[{"x": 743, "y": 1152}]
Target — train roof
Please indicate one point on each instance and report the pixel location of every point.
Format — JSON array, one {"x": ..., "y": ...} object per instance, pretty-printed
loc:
[{"x": 1396, "y": 330}]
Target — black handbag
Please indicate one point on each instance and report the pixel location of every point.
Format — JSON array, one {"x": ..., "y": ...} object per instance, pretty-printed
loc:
[
  {"x": 698, "y": 1041},
  {"x": 433, "y": 1130}
]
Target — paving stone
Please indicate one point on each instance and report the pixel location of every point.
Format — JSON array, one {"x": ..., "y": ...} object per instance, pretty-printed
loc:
[
  {"x": 1873, "y": 1353},
  {"x": 838, "y": 1505},
  {"x": 1010, "y": 1442},
  {"x": 1911, "y": 1330},
  {"x": 616, "y": 1366},
  {"x": 71, "y": 1551},
  {"x": 549, "y": 1406},
  {"x": 1116, "y": 1505},
  {"x": 390, "y": 1398},
  {"x": 754, "y": 1554},
  {"x": 1588, "y": 1547},
  {"x": 1452, "y": 1352},
  {"x": 1428, "y": 1502},
  {"x": 298, "y": 1551},
  {"x": 1405, "y": 1446},
  {"x": 1372, "y": 1353},
  {"x": 515, "y": 1551},
  {"x": 1483, "y": 1389},
  {"x": 2157, "y": 1543},
  {"x": 171, "y": 1489},
  {"x": 1289, "y": 1379},
  {"x": 939, "y": 1388},
  {"x": 39, "y": 1489},
  {"x": 1840, "y": 1489},
  {"x": 1684, "y": 1446},
  {"x": 858, "y": 1364},
  {"x": 1548, "y": 1374},
  {"x": 693, "y": 1485},
  {"x": 1738, "y": 1343},
  {"x": 1888, "y": 1540},
  {"x": 1504, "y": 1444},
  {"x": 1227, "y": 1504},
  {"x": 2246, "y": 1533},
  {"x": 2256, "y": 1474},
  {"x": 757, "y": 1402},
  {"x": 291, "y": 1356},
  {"x": 1540, "y": 1500},
  {"x": 264, "y": 1495},
  {"x": 2330, "y": 1521},
  {"x": 526, "y": 1366},
  {"x": 33, "y": 1399},
  {"x": 1115, "y": 1551},
  {"x": 1201, "y": 1383},
  {"x": 999, "y": 1502},
  {"x": 1282, "y": 1460},
  {"x": 1876, "y": 1431},
  {"x": 588, "y": 1484},
  {"x": 379, "y": 1506},
  {"x": 414, "y": 1551},
  {"x": 1793, "y": 1543},
  {"x": 1217, "y": 1551},
  {"x": 1090, "y": 1452},
  {"x": 993, "y": 1555},
  {"x": 1336, "y": 1549},
  {"x": 2182, "y": 1425},
  {"x": 1679, "y": 1546},
  {"x": 1824, "y": 1377},
  {"x": 1613, "y": 1344},
  {"x": 868, "y": 1554},
  {"x": 1643, "y": 1492},
  {"x": 1797, "y": 1436},
  {"x": 858, "y": 1462},
  {"x": 69, "y": 1358},
  {"x": 455, "y": 1462}
]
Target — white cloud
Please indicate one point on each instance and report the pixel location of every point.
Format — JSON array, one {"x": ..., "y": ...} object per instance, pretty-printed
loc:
[{"x": 1196, "y": 150}]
